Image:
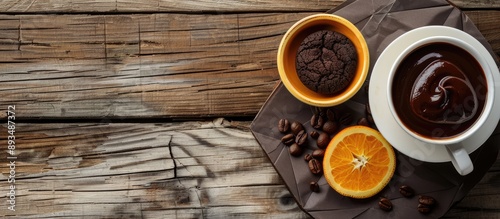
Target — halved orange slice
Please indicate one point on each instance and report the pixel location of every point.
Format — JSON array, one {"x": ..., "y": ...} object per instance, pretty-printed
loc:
[{"x": 359, "y": 162}]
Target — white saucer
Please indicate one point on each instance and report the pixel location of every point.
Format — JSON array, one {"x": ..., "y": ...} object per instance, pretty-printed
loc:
[{"x": 387, "y": 124}]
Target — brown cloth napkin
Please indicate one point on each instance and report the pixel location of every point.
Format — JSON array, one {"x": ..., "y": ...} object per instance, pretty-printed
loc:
[{"x": 380, "y": 21}]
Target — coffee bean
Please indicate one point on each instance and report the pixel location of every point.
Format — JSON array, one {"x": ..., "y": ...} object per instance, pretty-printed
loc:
[
  {"x": 296, "y": 127},
  {"x": 330, "y": 114},
  {"x": 308, "y": 157},
  {"x": 315, "y": 166},
  {"x": 318, "y": 154},
  {"x": 385, "y": 204},
  {"x": 330, "y": 127},
  {"x": 283, "y": 125},
  {"x": 288, "y": 139},
  {"x": 323, "y": 140},
  {"x": 295, "y": 150},
  {"x": 318, "y": 110},
  {"x": 424, "y": 209},
  {"x": 363, "y": 121},
  {"x": 345, "y": 119},
  {"x": 321, "y": 112},
  {"x": 426, "y": 200},
  {"x": 406, "y": 191},
  {"x": 314, "y": 134},
  {"x": 317, "y": 121},
  {"x": 301, "y": 137},
  {"x": 314, "y": 119},
  {"x": 314, "y": 186}
]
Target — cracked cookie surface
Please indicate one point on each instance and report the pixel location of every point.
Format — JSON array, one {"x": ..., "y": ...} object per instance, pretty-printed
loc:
[{"x": 326, "y": 62}]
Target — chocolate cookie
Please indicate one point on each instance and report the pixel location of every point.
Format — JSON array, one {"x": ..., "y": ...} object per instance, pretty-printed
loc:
[{"x": 326, "y": 62}]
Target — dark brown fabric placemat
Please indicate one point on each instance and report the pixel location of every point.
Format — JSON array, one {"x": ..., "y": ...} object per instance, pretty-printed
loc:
[{"x": 380, "y": 21}]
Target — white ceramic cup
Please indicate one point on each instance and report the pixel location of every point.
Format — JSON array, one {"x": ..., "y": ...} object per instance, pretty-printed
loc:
[{"x": 458, "y": 155}]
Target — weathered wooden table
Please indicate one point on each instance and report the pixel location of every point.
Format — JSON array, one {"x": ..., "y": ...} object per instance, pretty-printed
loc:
[{"x": 141, "y": 109}]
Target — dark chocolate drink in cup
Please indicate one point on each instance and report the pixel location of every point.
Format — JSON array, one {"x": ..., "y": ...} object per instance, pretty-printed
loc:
[{"x": 439, "y": 90}]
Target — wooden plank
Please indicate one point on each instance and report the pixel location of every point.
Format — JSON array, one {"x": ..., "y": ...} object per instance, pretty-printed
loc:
[
  {"x": 487, "y": 22},
  {"x": 37, "y": 6},
  {"x": 139, "y": 65},
  {"x": 207, "y": 169},
  {"x": 186, "y": 170},
  {"x": 151, "y": 65},
  {"x": 113, "y": 6},
  {"x": 476, "y": 4}
]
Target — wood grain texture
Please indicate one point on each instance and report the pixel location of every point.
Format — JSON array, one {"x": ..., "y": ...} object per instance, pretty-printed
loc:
[
  {"x": 488, "y": 23},
  {"x": 174, "y": 170},
  {"x": 165, "y": 5},
  {"x": 148, "y": 66},
  {"x": 140, "y": 65},
  {"x": 197, "y": 6},
  {"x": 475, "y": 4},
  {"x": 206, "y": 169}
]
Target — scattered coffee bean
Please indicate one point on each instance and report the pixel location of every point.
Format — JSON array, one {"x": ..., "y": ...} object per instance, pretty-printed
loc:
[
  {"x": 385, "y": 204},
  {"x": 406, "y": 191},
  {"x": 317, "y": 121},
  {"x": 314, "y": 186},
  {"x": 426, "y": 200},
  {"x": 283, "y": 125},
  {"x": 318, "y": 110},
  {"x": 363, "y": 121},
  {"x": 296, "y": 127},
  {"x": 295, "y": 150},
  {"x": 288, "y": 139},
  {"x": 425, "y": 204},
  {"x": 330, "y": 127},
  {"x": 424, "y": 209},
  {"x": 301, "y": 137},
  {"x": 314, "y": 119},
  {"x": 315, "y": 166},
  {"x": 314, "y": 134},
  {"x": 308, "y": 157},
  {"x": 323, "y": 140},
  {"x": 330, "y": 114},
  {"x": 318, "y": 154},
  {"x": 345, "y": 119},
  {"x": 322, "y": 112}
]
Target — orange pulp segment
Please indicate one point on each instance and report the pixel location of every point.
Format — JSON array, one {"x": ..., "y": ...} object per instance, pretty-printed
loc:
[{"x": 359, "y": 162}]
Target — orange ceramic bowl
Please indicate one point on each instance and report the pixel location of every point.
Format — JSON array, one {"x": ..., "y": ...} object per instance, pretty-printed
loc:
[{"x": 287, "y": 53}]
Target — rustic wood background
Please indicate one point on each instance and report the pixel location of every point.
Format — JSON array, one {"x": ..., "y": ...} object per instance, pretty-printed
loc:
[{"x": 141, "y": 109}]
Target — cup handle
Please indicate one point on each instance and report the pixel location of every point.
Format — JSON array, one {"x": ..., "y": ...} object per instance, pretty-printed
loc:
[{"x": 460, "y": 159}]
